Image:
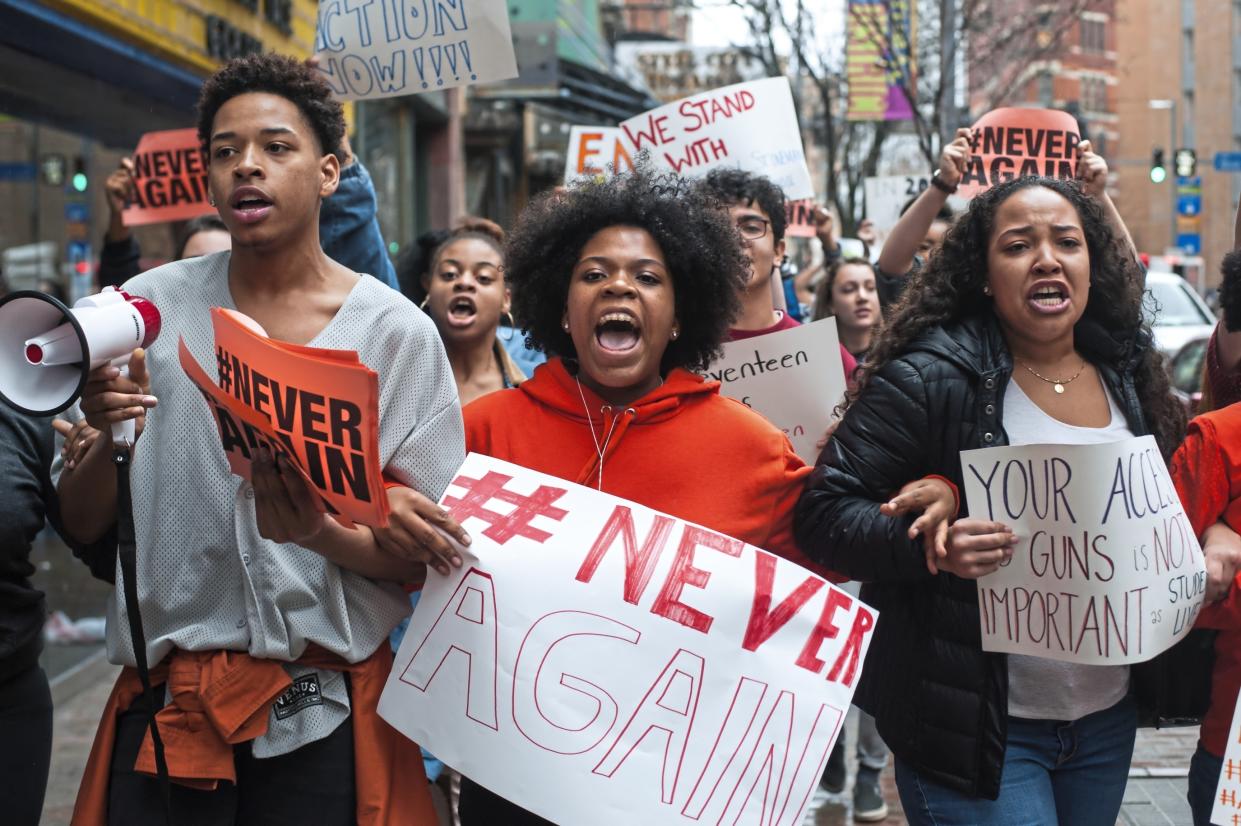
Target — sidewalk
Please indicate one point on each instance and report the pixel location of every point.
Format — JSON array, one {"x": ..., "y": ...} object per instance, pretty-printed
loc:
[{"x": 1155, "y": 796}]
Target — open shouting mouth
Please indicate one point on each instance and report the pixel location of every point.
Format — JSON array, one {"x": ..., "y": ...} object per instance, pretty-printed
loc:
[{"x": 618, "y": 332}]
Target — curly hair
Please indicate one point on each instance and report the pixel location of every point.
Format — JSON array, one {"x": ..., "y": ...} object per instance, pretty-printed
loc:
[
  {"x": 1230, "y": 290},
  {"x": 823, "y": 292},
  {"x": 950, "y": 288},
  {"x": 280, "y": 75},
  {"x": 733, "y": 186},
  {"x": 699, "y": 244}
]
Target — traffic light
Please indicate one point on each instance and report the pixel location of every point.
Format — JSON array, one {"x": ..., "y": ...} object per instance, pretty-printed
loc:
[
  {"x": 1159, "y": 172},
  {"x": 1186, "y": 163},
  {"x": 79, "y": 180}
]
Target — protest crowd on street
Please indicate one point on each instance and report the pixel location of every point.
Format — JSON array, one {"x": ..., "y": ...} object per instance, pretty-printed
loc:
[{"x": 450, "y": 413}]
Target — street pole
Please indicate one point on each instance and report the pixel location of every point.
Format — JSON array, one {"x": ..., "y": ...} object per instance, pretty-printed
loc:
[
  {"x": 947, "y": 72},
  {"x": 1173, "y": 176}
]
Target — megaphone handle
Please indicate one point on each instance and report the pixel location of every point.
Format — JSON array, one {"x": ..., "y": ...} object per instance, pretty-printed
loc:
[{"x": 124, "y": 433}]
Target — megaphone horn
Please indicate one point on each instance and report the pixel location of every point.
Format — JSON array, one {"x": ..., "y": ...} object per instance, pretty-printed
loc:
[{"x": 47, "y": 350}]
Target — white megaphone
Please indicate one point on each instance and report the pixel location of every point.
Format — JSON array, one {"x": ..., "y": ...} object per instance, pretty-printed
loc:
[{"x": 47, "y": 350}]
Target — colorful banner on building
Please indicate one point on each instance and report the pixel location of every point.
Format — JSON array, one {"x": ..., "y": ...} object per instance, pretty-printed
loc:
[
  {"x": 595, "y": 661},
  {"x": 751, "y": 126},
  {"x": 595, "y": 151},
  {"x": 1106, "y": 571},
  {"x": 879, "y": 62},
  {"x": 170, "y": 179},
  {"x": 794, "y": 377},
  {"x": 317, "y": 408},
  {"x": 404, "y": 47},
  {"x": 1015, "y": 142}
]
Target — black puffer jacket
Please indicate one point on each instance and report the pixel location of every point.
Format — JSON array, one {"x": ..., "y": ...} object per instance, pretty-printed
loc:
[{"x": 939, "y": 700}]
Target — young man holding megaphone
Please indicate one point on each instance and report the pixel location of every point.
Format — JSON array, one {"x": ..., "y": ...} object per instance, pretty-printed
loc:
[{"x": 265, "y": 620}]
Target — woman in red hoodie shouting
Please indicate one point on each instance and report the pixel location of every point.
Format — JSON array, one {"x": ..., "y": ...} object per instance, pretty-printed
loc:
[{"x": 630, "y": 285}]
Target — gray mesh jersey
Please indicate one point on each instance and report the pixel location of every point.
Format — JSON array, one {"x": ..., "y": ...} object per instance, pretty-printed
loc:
[{"x": 206, "y": 579}]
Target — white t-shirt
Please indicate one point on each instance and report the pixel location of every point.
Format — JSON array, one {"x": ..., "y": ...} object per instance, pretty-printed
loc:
[
  {"x": 206, "y": 579},
  {"x": 1039, "y": 688}
]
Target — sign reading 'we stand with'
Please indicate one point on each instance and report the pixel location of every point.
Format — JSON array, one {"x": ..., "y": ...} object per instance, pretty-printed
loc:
[{"x": 599, "y": 662}]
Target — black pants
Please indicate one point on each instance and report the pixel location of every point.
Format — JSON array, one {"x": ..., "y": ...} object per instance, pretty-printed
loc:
[
  {"x": 313, "y": 785},
  {"x": 25, "y": 746},
  {"x": 481, "y": 807}
]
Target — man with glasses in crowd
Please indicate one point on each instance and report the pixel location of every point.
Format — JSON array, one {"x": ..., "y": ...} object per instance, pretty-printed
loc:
[{"x": 756, "y": 206}]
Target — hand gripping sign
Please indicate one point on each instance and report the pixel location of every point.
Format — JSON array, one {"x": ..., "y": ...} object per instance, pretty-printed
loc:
[
  {"x": 751, "y": 126},
  {"x": 170, "y": 179},
  {"x": 403, "y": 47},
  {"x": 319, "y": 408},
  {"x": 598, "y": 662},
  {"x": 794, "y": 377},
  {"x": 1107, "y": 569},
  {"x": 1014, "y": 143}
]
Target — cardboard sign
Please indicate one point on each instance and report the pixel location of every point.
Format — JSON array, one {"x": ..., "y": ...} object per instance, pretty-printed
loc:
[
  {"x": 794, "y": 377},
  {"x": 404, "y": 47},
  {"x": 170, "y": 179},
  {"x": 1226, "y": 810},
  {"x": 595, "y": 151},
  {"x": 318, "y": 408},
  {"x": 800, "y": 216},
  {"x": 752, "y": 126},
  {"x": 1107, "y": 569},
  {"x": 1013, "y": 143},
  {"x": 595, "y": 661}
]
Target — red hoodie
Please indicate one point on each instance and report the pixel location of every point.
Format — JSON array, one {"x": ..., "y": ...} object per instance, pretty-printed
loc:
[
  {"x": 1206, "y": 470},
  {"x": 682, "y": 449}
]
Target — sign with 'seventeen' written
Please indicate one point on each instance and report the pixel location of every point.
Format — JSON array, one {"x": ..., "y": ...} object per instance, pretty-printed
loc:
[
  {"x": 1107, "y": 569},
  {"x": 751, "y": 126},
  {"x": 404, "y": 47},
  {"x": 657, "y": 671},
  {"x": 794, "y": 377}
]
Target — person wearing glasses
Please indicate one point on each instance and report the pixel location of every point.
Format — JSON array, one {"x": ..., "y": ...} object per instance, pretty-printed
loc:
[{"x": 756, "y": 207}]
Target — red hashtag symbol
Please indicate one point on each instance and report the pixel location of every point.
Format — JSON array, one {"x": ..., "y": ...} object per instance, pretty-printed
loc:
[
  {"x": 1231, "y": 768},
  {"x": 1236, "y": 820},
  {"x": 503, "y": 527},
  {"x": 1228, "y": 797}
]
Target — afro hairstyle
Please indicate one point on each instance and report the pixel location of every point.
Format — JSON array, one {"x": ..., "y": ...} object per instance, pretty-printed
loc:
[
  {"x": 1230, "y": 290},
  {"x": 728, "y": 187},
  {"x": 280, "y": 75},
  {"x": 697, "y": 240}
]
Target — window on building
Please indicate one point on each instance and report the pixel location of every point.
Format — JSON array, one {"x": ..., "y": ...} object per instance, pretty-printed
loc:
[
  {"x": 1044, "y": 89},
  {"x": 1093, "y": 94},
  {"x": 1093, "y": 36}
]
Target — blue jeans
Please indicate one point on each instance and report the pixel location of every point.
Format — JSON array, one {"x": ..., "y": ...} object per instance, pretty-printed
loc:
[
  {"x": 1068, "y": 773},
  {"x": 1204, "y": 771}
]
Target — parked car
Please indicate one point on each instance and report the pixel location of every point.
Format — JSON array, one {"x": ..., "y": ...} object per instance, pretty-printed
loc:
[
  {"x": 1185, "y": 370},
  {"x": 1177, "y": 315}
]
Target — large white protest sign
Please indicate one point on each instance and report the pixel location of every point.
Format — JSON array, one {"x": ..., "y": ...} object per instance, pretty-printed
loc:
[
  {"x": 595, "y": 661},
  {"x": 389, "y": 48},
  {"x": 752, "y": 126},
  {"x": 1106, "y": 570},
  {"x": 1226, "y": 810},
  {"x": 794, "y": 377},
  {"x": 596, "y": 150}
]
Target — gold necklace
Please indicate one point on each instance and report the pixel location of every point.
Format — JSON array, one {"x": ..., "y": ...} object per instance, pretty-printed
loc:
[{"x": 1058, "y": 383}]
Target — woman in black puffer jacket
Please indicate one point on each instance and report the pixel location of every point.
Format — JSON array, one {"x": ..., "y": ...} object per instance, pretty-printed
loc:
[{"x": 1003, "y": 303}]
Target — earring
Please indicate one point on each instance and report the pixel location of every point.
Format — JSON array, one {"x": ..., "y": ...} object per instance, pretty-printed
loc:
[
  {"x": 675, "y": 333},
  {"x": 511, "y": 324},
  {"x": 566, "y": 326},
  {"x": 210, "y": 201},
  {"x": 986, "y": 290},
  {"x": 425, "y": 302}
]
